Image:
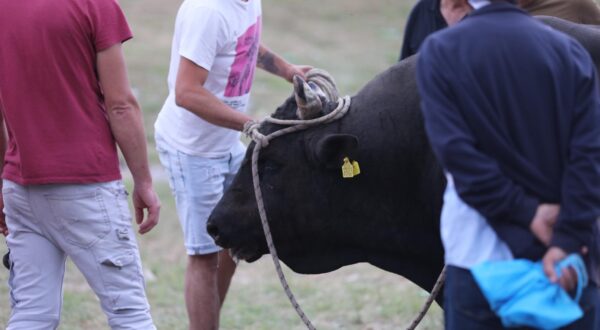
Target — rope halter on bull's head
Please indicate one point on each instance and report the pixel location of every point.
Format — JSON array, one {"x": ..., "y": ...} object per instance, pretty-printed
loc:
[{"x": 310, "y": 95}]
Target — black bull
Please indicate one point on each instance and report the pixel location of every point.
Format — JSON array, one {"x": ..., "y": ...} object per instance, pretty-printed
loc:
[{"x": 387, "y": 216}]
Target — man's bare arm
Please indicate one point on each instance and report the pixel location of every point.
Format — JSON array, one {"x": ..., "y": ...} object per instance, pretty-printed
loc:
[
  {"x": 275, "y": 64},
  {"x": 125, "y": 119},
  {"x": 191, "y": 95}
]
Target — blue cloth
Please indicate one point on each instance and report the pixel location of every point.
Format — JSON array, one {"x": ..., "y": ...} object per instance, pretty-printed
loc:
[
  {"x": 521, "y": 294},
  {"x": 511, "y": 109},
  {"x": 465, "y": 307}
]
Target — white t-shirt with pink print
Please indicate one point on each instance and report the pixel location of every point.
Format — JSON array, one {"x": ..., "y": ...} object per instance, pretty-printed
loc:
[{"x": 222, "y": 36}]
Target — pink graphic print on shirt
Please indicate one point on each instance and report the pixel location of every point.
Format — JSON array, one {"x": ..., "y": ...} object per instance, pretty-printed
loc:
[{"x": 242, "y": 69}]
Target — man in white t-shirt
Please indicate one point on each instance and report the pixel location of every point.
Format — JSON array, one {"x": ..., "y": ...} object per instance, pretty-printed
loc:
[{"x": 216, "y": 48}]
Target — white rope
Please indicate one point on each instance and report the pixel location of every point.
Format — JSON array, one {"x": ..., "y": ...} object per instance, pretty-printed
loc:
[{"x": 251, "y": 130}]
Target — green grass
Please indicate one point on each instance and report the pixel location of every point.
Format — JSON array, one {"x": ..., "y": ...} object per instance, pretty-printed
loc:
[{"x": 353, "y": 40}]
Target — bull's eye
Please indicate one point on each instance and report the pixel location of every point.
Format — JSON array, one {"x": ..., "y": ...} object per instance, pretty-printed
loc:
[{"x": 269, "y": 167}]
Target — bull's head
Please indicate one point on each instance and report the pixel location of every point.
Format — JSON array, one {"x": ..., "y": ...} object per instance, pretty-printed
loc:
[
  {"x": 388, "y": 215},
  {"x": 292, "y": 169}
]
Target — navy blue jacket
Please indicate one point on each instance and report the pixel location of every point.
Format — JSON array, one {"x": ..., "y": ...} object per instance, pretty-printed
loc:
[{"x": 512, "y": 111}]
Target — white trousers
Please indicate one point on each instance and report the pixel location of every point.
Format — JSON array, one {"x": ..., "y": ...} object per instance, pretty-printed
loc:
[{"x": 89, "y": 223}]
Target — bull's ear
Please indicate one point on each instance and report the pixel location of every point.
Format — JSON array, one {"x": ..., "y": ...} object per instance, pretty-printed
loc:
[{"x": 331, "y": 149}]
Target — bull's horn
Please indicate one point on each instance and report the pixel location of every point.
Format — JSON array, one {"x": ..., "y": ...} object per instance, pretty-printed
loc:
[{"x": 308, "y": 101}]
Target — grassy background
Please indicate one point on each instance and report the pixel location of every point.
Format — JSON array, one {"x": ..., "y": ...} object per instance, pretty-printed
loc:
[{"x": 353, "y": 40}]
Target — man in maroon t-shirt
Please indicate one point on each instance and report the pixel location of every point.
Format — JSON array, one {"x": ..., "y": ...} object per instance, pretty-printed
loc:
[{"x": 66, "y": 103}]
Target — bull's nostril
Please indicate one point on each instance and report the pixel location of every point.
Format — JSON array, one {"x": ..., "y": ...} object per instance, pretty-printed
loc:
[{"x": 212, "y": 230}]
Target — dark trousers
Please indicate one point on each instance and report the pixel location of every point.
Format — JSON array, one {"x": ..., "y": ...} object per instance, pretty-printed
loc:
[{"x": 465, "y": 307}]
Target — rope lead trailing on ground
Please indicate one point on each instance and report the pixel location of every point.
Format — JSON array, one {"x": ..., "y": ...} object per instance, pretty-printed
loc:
[{"x": 434, "y": 292}]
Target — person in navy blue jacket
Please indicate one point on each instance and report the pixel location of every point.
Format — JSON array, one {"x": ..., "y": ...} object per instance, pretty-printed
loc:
[{"x": 512, "y": 111}]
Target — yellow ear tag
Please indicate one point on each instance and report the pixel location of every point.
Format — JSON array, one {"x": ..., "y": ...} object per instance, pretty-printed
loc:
[
  {"x": 355, "y": 168},
  {"x": 347, "y": 169}
]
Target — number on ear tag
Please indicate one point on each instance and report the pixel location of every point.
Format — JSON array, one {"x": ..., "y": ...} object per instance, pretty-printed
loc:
[{"x": 347, "y": 169}]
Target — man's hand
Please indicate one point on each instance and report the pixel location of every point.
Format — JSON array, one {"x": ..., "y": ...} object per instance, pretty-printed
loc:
[
  {"x": 568, "y": 278},
  {"x": 144, "y": 197},
  {"x": 543, "y": 222},
  {"x": 293, "y": 70},
  {"x": 3, "y": 227}
]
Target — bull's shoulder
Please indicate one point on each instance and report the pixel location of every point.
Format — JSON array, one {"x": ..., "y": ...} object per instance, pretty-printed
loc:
[
  {"x": 578, "y": 11},
  {"x": 587, "y": 35}
]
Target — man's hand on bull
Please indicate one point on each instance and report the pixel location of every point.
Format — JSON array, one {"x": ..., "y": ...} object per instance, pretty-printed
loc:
[
  {"x": 296, "y": 70},
  {"x": 543, "y": 222},
  {"x": 251, "y": 131}
]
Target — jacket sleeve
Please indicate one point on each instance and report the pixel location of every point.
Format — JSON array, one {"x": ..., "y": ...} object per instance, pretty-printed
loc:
[
  {"x": 409, "y": 33},
  {"x": 580, "y": 193},
  {"x": 478, "y": 178}
]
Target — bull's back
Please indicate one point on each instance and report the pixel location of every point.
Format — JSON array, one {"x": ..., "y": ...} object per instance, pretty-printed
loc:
[{"x": 587, "y": 35}]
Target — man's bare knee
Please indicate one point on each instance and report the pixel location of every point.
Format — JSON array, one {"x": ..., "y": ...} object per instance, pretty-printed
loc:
[{"x": 204, "y": 262}]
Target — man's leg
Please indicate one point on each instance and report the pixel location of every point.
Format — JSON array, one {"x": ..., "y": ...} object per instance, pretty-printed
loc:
[
  {"x": 37, "y": 266},
  {"x": 92, "y": 224},
  {"x": 465, "y": 307},
  {"x": 201, "y": 293},
  {"x": 224, "y": 274},
  {"x": 207, "y": 279},
  {"x": 197, "y": 183},
  {"x": 36, "y": 275},
  {"x": 227, "y": 265}
]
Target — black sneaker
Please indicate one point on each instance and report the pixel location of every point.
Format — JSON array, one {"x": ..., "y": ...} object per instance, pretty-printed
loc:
[{"x": 6, "y": 261}]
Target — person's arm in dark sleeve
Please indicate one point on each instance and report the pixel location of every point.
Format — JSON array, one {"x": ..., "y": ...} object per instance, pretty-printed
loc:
[
  {"x": 478, "y": 177},
  {"x": 580, "y": 193},
  {"x": 409, "y": 31}
]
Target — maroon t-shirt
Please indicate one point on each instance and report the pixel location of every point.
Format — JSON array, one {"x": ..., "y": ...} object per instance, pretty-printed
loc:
[{"x": 52, "y": 100}]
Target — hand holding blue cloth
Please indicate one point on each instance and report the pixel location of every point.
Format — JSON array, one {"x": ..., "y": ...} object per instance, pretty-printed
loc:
[{"x": 521, "y": 294}]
